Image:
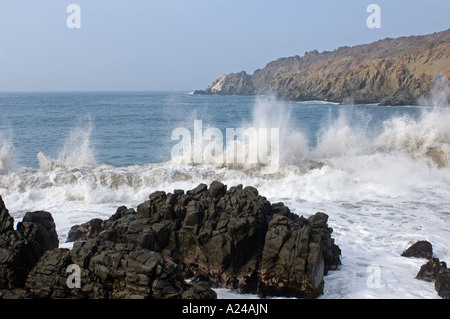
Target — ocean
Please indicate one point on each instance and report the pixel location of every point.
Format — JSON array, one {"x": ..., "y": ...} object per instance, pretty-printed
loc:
[{"x": 382, "y": 174}]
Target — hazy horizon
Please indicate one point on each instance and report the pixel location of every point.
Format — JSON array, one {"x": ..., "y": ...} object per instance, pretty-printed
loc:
[{"x": 150, "y": 46}]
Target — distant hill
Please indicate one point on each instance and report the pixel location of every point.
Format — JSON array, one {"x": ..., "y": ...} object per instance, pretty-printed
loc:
[{"x": 389, "y": 72}]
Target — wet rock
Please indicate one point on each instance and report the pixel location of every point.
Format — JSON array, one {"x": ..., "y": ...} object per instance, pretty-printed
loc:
[
  {"x": 442, "y": 284},
  {"x": 40, "y": 230},
  {"x": 436, "y": 271},
  {"x": 431, "y": 270},
  {"x": 110, "y": 271},
  {"x": 232, "y": 238},
  {"x": 389, "y": 72},
  {"x": 20, "y": 249},
  {"x": 6, "y": 221},
  {"x": 31, "y": 265}
]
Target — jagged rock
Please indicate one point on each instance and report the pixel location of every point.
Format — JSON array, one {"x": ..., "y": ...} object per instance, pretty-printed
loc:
[
  {"x": 40, "y": 230},
  {"x": 233, "y": 238},
  {"x": 420, "y": 249},
  {"x": 199, "y": 291},
  {"x": 90, "y": 229},
  {"x": 47, "y": 279},
  {"x": 121, "y": 271},
  {"x": 431, "y": 270},
  {"x": 436, "y": 271}
]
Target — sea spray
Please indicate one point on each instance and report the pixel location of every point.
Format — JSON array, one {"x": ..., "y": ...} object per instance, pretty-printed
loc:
[
  {"x": 6, "y": 153},
  {"x": 347, "y": 135},
  {"x": 270, "y": 112},
  {"x": 426, "y": 138},
  {"x": 76, "y": 152}
]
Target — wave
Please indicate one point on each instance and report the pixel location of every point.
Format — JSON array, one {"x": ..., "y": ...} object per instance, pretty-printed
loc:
[{"x": 348, "y": 161}]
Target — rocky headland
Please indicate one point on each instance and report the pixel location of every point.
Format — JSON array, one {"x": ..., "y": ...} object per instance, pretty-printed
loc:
[
  {"x": 388, "y": 72},
  {"x": 214, "y": 236},
  {"x": 434, "y": 270}
]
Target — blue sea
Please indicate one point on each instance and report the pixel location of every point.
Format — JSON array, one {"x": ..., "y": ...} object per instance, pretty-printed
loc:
[{"x": 382, "y": 174}]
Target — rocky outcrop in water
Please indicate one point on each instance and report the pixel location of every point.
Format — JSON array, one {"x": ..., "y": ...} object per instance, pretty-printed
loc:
[
  {"x": 231, "y": 238},
  {"x": 420, "y": 249},
  {"x": 388, "y": 72},
  {"x": 231, "y": 84}
]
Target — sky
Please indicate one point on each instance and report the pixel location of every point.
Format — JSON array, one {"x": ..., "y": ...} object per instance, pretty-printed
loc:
[{"x": 183, "y": 45}]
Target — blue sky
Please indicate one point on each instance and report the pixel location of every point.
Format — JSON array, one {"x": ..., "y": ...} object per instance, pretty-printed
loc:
[{"x": 183, "y": 44}]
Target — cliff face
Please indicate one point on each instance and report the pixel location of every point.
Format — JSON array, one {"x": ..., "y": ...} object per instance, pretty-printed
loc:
[{"x": 389, "y": 72}]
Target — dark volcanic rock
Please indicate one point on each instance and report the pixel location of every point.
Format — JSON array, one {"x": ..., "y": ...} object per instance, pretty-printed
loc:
[
  {"x": 6, "y": 220},
  {"x": 420, "y": 249},
  {"x": 40, "y": 230},
  {"x": 297, "y": 253},
  {"x": 111, "y": 271},
  {"x": 48, "y": 277},
  {"x": 431, "y": 270},
  {"x": 90, "y": 229},
  {"x": 31, "y": 265},
  {"x": 232, "y": 238}
]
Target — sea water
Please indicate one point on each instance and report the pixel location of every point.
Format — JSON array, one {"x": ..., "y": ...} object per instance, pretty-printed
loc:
[{"x": 382, "y": 174}]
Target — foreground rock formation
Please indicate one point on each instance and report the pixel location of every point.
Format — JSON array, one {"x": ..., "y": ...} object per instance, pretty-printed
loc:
[
  {"x": 21, "y": 248},
  {"x": 231, "y": 238},
  {"x": 228, "y": 238},
  {"x": 389, "y": 72}
]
